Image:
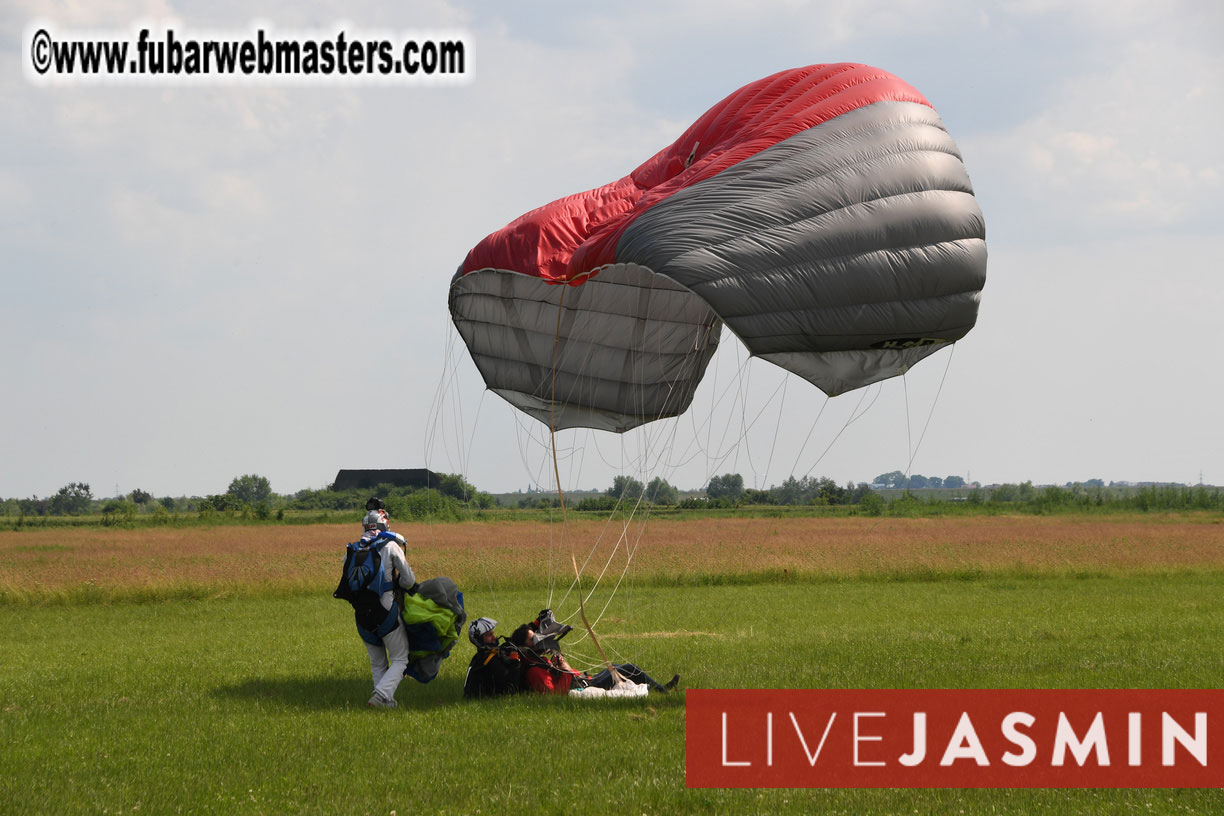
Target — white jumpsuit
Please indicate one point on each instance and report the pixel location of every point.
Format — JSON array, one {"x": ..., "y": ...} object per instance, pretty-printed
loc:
[{"x": 388, "y": 661}]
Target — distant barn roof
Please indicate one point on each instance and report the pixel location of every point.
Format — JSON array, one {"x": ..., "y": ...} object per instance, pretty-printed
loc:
[{"x": 409, "y": 477}]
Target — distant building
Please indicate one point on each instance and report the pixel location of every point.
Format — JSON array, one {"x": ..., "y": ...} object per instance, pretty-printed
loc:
[{"x": 369, "y": 479}]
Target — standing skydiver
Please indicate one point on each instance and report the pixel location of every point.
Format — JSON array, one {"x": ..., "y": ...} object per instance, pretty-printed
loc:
[{"x": 375, "y": 574}]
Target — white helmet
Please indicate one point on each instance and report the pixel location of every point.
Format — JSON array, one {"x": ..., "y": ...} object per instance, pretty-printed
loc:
[
  {"x": 375, "y": 520},
  {"x": 479, "y": 628}
]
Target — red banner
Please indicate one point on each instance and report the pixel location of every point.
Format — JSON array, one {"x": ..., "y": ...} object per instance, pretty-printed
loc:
[{"x": 951, "y": 738}]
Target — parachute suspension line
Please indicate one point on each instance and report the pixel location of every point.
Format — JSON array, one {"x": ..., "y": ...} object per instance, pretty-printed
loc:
[
  {"x": 552, "y": 406},
  {"x": 587, "y": 624},
  {"x": 740, "y": 396},
  {"x": 438, "y": 425},
  {"x": 744, "y": 415},
  {"x": 650, "y": 438},
  {"x": 575, "y": 385},
  {"x": 448, "y": 386},
  {"x": 709, "y": 425},
  {"x": 777, "y": 424},
  {"x": 721, "y": 458},
  {"x": 554, "y": 574},
  {"x": 630, "y": 514},
  {"x": 435, "y": 408},
  {"x": 630, "y": 550},
  {"x": 448, "y": 382},
  {"x": 632, "y": 542},
  {"x": 458, "y": 428},
  {"x": 931, "y": 413},
  {"x": 584, "y": 594},
  {"x": 854, "y": 417},
  {"x": 674, "y": 464},
  {"x": 710, "y": 415},
  {"x": 467, "y": 456},
  {"x": 536, "y": 472},
  {"x": 552, "y": 445},
  {"x": 909, "y": 443},
  {"x": 695, "y": 440},
  {"x": 736, "y": 382},
  {"x": 611, "y": 516},
  {"x": 552, "y": 440},
  {"x": 564, "y": 521},
  {"x": 815, "y": 422},
  {"x": 552, "y": 436}
]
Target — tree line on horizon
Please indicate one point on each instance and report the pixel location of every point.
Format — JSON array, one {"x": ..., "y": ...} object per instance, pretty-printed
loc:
[{"x": 251, "y": 496}]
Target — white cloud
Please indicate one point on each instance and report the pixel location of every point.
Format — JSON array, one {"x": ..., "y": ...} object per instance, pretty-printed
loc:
[
  {"x": 216, "y": 273},
  {"x": 269, "y": 250},
  {"x": 1131, "y": 145},
  {"x": 14, "y": 192}
]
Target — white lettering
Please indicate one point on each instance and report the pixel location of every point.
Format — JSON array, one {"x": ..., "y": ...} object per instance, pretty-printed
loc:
[
  {"x": 916, "y": 756},
  {"x": 1028, "y": 748},
  {"x": 810, "y": 756},
  {"x": 726, "y": 762},
  {"x": 1134, "y": 735},
  {"x": 964, "y": 744},
  {"x": 857, "y": 738},
  {"x": 769, "y": 739},
  {"x": 1065, "y": 738},
  {"x": 1171, "y": 732}
]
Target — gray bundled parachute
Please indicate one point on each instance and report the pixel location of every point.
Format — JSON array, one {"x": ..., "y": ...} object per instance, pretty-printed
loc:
[
  {"x": 433, "y": 619},
  {"x": 822, "y": 214}
]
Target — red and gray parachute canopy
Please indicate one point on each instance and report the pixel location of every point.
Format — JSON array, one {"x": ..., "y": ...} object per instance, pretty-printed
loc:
[{"x": 823, "y": 214}]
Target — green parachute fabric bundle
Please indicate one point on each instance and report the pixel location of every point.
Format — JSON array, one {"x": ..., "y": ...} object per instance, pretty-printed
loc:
[{"x": 433, "y": 618}]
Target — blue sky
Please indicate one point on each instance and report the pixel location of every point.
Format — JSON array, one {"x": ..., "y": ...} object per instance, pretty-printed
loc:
[{"x": 197, "y": 283}]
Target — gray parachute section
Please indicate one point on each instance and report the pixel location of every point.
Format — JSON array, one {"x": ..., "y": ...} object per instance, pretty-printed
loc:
[
  {"x": 844, "y": 254},
  {"x": 630, "y": 346}
]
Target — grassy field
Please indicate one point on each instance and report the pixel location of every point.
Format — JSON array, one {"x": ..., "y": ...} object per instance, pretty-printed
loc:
[
  {"x": 43, "y": 566},
  {"x": 227, "y": 683}
]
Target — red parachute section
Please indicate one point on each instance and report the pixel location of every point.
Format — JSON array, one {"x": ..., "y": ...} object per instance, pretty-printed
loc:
[{"x": 568, "y": 240}]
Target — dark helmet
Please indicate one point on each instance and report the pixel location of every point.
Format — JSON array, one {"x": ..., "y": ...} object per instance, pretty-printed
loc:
[{"x": 375, "y": 503}]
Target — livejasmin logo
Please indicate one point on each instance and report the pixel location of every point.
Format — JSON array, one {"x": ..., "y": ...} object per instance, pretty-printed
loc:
[{"x": 954, "y": 738}]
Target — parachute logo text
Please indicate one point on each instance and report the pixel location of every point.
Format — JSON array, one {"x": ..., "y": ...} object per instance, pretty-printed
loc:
[
  {"x": 907, "y": 342},
  {"x": 823, "y": 214}
]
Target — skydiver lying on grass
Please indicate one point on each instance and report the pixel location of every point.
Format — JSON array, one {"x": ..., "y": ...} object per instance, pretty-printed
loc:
[{"x": 531, "y": 660}]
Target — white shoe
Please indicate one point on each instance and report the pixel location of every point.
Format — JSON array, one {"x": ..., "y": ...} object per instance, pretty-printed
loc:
[{"x": 378, "y": 701}]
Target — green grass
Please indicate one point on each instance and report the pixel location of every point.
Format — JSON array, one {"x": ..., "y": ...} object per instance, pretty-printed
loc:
[{"x": 256, "y": 705}]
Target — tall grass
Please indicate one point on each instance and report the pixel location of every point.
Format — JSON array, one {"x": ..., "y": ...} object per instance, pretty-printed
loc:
[{"x": 115, "y": 565}]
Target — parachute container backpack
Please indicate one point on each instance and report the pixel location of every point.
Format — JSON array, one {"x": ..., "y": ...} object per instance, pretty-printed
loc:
[
  {"x": 823, "y": 214},
  {"x": 362, "y": 584}
]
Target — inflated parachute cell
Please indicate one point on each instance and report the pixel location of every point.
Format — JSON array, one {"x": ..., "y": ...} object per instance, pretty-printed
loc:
[{"x": 823, "y": 214}]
